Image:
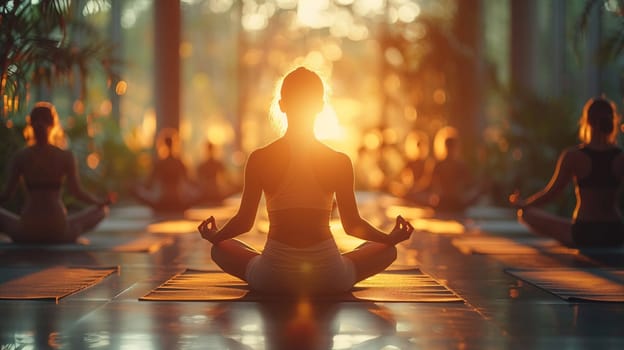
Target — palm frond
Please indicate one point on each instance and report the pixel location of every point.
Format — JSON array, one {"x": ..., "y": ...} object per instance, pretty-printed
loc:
[{"x": 40, "y": 44}]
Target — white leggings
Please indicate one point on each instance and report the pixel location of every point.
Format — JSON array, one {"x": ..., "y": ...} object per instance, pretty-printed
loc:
[{"x": 318, "y": 269}]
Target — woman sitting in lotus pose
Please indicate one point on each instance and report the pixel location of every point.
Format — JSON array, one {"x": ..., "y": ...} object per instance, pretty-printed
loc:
[
  {"x": 596, "y": 167},
  {"x": 299, "y": 177},
  {"x": 43, "y": 166}
]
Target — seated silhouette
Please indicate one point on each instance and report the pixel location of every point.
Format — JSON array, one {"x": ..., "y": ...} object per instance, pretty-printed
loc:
[
  {"x": 453, "y": 187},
  {"x": 168, "y": 188},
  {"x": 417, "y": 170},
  {"x": 212, "y": 178},
  {"x": 44, "y": 167},
  {"x": 596, "y": 168},
  {"x": 299, "y": 177}
]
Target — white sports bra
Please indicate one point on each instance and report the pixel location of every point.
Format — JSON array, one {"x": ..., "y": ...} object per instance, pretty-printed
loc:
[{"x": 299, "y": 189}]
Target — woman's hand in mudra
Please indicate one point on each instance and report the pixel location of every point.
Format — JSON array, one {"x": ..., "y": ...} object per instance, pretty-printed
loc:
[
  {"x": 402, "y": 230},
  {"x": 208, "y": 229}
]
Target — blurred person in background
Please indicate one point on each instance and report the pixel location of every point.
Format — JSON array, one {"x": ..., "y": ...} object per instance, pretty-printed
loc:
[
  {"x": 596, "y": 168},
  {"x": 44, "y": 166},
  {"x": 168, "y": 188},
  {"x": 212, "y": 178}
]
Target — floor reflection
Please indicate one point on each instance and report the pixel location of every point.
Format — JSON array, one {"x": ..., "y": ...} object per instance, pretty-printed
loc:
[{"x": 305, "y": 325}]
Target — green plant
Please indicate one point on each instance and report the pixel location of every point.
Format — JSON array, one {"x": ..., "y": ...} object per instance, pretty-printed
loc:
[
  {"x": 538, "y": 130},
  {"x": 40, "y": 45}
]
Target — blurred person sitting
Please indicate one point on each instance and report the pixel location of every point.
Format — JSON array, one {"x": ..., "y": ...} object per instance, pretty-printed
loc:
[
  {"x": 596, "y": 168},
  {"x": 168, "y": 188},
  {"x": 44, "y": 166},
  {"x": 212, "y": 178},
  {"x": 416, "y": 175},
  {"x": 453, "y": 186}
]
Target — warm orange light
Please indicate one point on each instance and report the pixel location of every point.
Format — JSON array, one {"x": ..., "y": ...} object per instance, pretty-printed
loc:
[
  {"x": 148, "y": 128},
  {"x": 451, "y": 227},
  {"x": 327, "y": 126},
  {"x": 409, "y": 213},
  {"x": 186, "y": 49},
  {"x": 312, "y": 13},
  {"x": 121, "y": 88},
  {"x": 220, "y": 133},
  {"x": 439, "y": 149},
  {"x": 174, "y": 227},
  {"x": 93, "y": 160},
  {"x": 78, "y": 107},
  {"x": 372, "y": 140},
  {"x": 106, "y": 107},
  {"x": 220, "y": 213},
  {"x": 439, "y": 96},
  {"x": 416, "y": 145}
]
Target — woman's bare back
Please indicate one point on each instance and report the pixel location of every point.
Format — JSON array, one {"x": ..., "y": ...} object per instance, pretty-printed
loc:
[{"x": 305, "y": 224}]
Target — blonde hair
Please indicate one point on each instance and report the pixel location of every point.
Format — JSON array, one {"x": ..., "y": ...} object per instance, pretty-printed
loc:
[
  {"x": 599, "y": 115},
  {"x": 43, "y": 121}
]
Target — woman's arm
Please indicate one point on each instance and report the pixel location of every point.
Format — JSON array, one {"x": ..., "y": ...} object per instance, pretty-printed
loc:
[
  {"x": 73, "y": 184},
  {"x": 244, "y": 219},
  {"x": 14, "y": 173},
  {"x": 561, "y": 178},
  {"x": 352, "y": 222}
]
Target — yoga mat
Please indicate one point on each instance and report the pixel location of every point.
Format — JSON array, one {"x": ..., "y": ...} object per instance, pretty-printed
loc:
[
  {"x": 53, "y": 283},
  {"x": 499, "y": 227},
  {"x": 121, "y": 225},
  {"x": 220, "y": 213},
  {"x": 517, "y": 246},
  {"x": 576, "y": 284},
  {"x": 485, "y": 212},
  {"x": 144, "y": 244},
  {"x": 390, "y": 286},
  {"x": 439, "y": 226},
  {"x": 174, "y": 227},
  {"x": 409, "y": 212}
]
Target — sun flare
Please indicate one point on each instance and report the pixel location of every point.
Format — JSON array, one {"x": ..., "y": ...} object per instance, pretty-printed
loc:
[{"x": 327, "y": 126}]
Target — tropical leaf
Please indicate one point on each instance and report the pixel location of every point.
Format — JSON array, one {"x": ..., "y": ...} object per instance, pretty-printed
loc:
[{"x": 39, "y": 44}]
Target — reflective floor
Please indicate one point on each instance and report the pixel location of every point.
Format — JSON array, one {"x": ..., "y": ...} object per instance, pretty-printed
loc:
[{"x": 500, "y": 312}]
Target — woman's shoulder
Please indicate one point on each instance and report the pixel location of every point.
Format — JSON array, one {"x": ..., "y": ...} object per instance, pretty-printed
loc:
[
  {"x": 262, "y": 151},
  {"x": 573, "y": 154},
  {"x": 337, "y": 157},
  {"x": 574, "y": 151},
  {"x": 48, "y": 151}
]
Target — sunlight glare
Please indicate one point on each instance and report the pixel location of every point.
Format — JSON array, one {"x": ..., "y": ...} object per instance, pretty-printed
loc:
[
  {"x": 220, "y": 6},
  {"x": 286, "y": 4},
  {"x": 313, "y": 13},
  {"x": 327, "y": 126},
  {"x": 173, "y": 227},
  {"x": 439, "y": 150},
  {"x": 220, "y": 133},
  {"x": 332, "y": 52},
  {"x": 369, "y": 7},
  {"x": 148, "y": 128},
  {"x": 408, "y": 12}
]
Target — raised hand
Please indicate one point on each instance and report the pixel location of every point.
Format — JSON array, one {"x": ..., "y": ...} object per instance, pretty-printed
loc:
[
  {"x": 402, "y": 230},
  {"x": 208, "y": 228}
]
